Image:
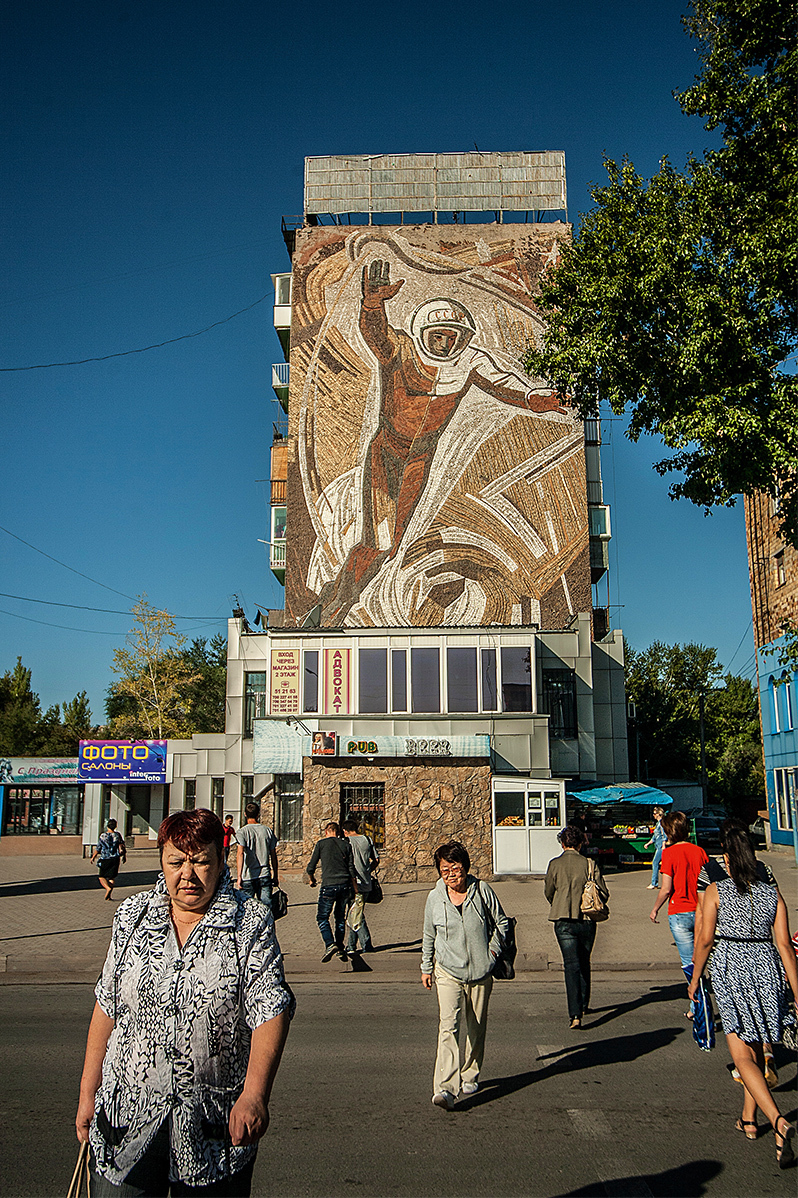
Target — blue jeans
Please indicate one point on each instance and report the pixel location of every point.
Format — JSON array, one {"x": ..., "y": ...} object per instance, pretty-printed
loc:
[
  {"x": 655, "y": 866},
  {"x": 333, "y": 899},
  {"x": 575, "y": 938},
  {"x": 681, "y": 926},
  {"x": 259, "y": 888}
]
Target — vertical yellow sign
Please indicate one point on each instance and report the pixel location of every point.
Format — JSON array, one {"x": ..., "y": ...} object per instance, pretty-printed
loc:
[
  {"x": 285, "y": 682},
  {"x": 336, "y": 681}
]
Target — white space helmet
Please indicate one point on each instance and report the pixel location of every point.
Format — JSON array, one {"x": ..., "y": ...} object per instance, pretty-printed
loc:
[{"x": 442, "y": 328}]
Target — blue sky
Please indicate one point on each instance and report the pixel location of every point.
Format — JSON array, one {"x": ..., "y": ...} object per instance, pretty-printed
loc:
[{"x": 150, "y": 151}]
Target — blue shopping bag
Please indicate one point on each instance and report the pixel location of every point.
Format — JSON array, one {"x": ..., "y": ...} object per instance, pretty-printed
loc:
[{"x": 703, "y": 1019}]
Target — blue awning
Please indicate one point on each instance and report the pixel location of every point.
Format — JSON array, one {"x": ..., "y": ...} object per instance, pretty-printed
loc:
[{"x": 623, "y": 792}]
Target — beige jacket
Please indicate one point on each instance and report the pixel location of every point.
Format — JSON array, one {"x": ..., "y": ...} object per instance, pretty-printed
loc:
[{"x": 565, "y": 881}]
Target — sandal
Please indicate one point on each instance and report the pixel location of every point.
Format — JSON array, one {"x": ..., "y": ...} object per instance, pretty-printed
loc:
[
  {"x": 575, "y": 1023},
  {"x": 743, "y": 1124},
  {"x": 785, "y": 1154}
]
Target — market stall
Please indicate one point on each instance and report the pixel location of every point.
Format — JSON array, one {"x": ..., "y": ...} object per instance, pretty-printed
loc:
[{"x": 618, "y": 820}]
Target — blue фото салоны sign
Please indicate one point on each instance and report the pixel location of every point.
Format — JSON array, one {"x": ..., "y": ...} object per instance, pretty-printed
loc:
[{"x": 122, "y": 761}]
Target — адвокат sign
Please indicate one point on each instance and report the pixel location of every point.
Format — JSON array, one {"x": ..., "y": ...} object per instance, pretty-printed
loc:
[{"x": 122, "y": 761}]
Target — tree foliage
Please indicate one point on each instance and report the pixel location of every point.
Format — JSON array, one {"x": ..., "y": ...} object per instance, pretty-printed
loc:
[
  {"x": 152, "y": 679},
  {"x": 166, "y": 688},
  {"x": 665, "y": 682},
  {"x": 676, "y": 301},
  {"x": 27, "y": 731}
]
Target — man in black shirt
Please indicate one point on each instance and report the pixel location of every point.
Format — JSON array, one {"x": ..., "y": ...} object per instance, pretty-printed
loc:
[{"x": 338, "y": 883}]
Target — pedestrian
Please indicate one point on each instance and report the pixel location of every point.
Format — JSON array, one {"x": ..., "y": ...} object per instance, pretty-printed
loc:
[
  {"x": 658, "y": 839},
  {"x": 715, "y": 871},
  {"x": 464, "y": 926},
  {"x": 366, "y": 861},
  {"x": 257, "y": 870},
  {"x": 681, "y": 864},
  {"x": 338, "y": 886},
  {"x": 188, "y": 1028},
  {"x": 111, "y": 851},
  {"x": 576, "y": 934},
  {"x": 751, "y": 977},
  {"x": 229, "y": 833}
]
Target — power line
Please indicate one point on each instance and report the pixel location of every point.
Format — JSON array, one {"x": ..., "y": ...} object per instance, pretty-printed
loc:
[
  {"x": 66, "y": 567},
  {"x": 68, "y": 627},
  {"x": 143, "y": 350},
  {"x": 111, "y": 611},
  {"x": 737, "y": 650}
]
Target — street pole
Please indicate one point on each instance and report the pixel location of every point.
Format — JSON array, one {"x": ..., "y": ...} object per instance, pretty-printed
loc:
[{"x": 701, "y": 697}]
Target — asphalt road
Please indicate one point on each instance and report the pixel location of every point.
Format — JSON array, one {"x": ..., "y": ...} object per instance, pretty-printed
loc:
[{"x": 628, "y": 1106}]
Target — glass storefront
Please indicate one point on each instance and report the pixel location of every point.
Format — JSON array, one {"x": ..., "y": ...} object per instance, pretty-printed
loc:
[{"x": 43, "y": 810}]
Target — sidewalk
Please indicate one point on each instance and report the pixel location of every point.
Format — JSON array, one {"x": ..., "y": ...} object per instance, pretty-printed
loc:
[{"x": 55, "y": 924}]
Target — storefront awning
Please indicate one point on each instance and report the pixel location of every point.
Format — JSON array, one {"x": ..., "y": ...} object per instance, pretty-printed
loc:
[{"x": 623, "y": 792}]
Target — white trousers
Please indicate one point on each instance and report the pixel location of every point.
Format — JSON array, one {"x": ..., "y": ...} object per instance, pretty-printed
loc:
[{"x": 456, "y": 998}]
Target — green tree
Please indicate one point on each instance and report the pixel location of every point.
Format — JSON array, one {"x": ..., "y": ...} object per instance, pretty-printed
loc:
[
  {"x": 676, "y": 301},
  {"x": 27, "y": 731},
  {"x": 206, "y": 696},
  {"x": 153, "y": 678},
  {"x": 74, "y": 726},
  {"x": 665, "y": 683}
]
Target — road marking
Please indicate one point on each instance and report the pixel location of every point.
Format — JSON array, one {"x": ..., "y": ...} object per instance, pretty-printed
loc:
[{"x": 610, "y": 1165}]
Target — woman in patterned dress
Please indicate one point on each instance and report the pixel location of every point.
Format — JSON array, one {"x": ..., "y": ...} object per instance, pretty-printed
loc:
[
  {"x": 752, "y": 963},
  {"x": 191, "y": 1016}
]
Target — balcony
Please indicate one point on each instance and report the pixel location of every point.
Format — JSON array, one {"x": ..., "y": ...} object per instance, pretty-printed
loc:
[
  {"x": 282, "y": 310},
  {"x": 277, "y": 560},
  {"x": 279, "y": 491},
  {"x": 280, "y": 382},
  {"x": 599, "y": 559}
]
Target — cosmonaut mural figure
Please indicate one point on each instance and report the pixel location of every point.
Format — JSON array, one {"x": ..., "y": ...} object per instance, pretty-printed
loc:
[
  {"x": 423, "y": 377},
  {"x": 430, "y": 481}
]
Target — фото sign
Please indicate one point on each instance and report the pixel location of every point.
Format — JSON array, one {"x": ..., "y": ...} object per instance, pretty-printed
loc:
[
  {"x": 285, "y": 682},
  {"x": 122, "y": 761}
]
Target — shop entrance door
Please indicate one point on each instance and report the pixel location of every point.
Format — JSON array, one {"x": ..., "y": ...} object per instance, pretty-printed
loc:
[{"x": 527, "y": 815}]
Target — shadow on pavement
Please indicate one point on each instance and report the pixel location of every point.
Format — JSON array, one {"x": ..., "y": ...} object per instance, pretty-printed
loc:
[
  {"x": 685, "y": 1181},
  {"x": 143, "y": 877},
  {"x": 654, "y": 994},
  {"x": 614, "y": 1051},
  {"x": 407, "y": 946}
]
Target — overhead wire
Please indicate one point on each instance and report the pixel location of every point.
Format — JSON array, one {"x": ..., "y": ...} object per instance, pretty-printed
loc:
[
  {"x": 111, "y": 611},
  {"x": 66, "y": 567},
  {"x": 143, "y": 349}
]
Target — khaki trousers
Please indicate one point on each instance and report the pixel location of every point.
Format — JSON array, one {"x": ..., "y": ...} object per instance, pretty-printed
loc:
[{"x": 456, "y": 998}]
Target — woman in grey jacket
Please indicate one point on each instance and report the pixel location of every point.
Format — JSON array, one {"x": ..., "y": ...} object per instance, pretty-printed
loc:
[
  {"x": 565, "y": 882},
  {"x": 463, "y": 929}
]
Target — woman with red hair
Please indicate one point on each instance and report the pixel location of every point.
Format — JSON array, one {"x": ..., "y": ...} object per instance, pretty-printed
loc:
[{"x": 188, "y": 1028}]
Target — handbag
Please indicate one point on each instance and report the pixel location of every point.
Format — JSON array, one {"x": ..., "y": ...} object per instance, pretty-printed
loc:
[
  {"x": 374, "y": 895},
  {"x": 79, "y": 1184},
  {"x": 593, "y": 905},
  {"x": 279, "y": 904},
  {"x": 503, "y": 967}
]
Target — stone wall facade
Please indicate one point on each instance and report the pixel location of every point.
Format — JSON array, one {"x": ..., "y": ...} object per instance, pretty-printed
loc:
[
  {"x": 772, "y": 567},
  {"x": 426, "y": 803}
]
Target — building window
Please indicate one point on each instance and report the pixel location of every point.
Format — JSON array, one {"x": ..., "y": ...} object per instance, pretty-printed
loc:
[
  {"x": 311, "y": 680},
  {"x": 247, "y": 792},
  {"x": 288, "y": 802},
  {"x": 789, "y": 714},
  {"x": 489, "y": 692},
  {"x": 461, "y": 679},
  {"x": 775, "y": 714},
  {"x": 398, "y": 680},
  {"x": 558, "y": 699},
  {"x": 190, "y": 794},
  {"x": 784, "y": 787},
  {"x": 255, "y": 700},
  {"x": 425, "y": 681},
  {"x": 279, "y": 520},
  {"x": 373, "y": 680},
  {"x": 217, "y": 796},
  {"x": 365, "y": 803},
  {"x": 282, "y": 289},
  {"x": 516, "y": 678},
  {"x": 781, "y": 575}
]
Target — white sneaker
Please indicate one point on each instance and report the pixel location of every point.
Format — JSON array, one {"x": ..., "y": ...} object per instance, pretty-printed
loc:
[
  {"x": 469, "y": 1087},
  {"x": 444, "y": 1099}
]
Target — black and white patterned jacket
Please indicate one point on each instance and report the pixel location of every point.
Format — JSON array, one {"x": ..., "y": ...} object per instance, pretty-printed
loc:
[{"x": 183, "y": 1021}]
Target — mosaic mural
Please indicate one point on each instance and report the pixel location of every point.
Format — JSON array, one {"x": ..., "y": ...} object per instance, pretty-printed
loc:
[{"x": 430, "y": 481}]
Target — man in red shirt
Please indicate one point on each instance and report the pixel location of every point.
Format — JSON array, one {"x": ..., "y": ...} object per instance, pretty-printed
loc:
[{"x": 681, "y": 864}]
